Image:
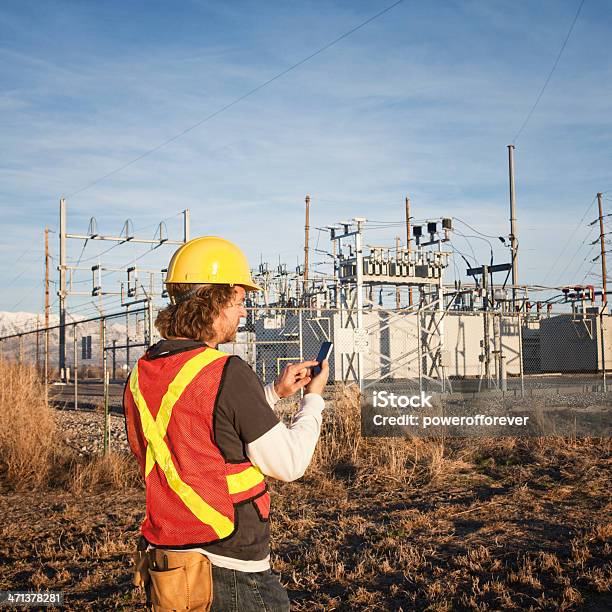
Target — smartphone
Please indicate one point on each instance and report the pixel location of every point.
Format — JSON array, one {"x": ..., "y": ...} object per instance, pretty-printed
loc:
[{"x": 324, "y": 353}]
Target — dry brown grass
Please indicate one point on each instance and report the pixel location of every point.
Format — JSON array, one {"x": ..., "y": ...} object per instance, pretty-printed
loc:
[
  {"x": 114, "y": 471},
  {"x": 445, "y": 524},
  {"x": 28, "y": 443},
  {"x": 32, "y": 453},
  {"x": 375, "y": 524},
  {"x": 343, "y": 452}
]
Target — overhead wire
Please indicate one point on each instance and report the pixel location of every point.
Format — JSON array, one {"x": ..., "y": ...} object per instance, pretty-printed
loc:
[
  {"x": 471, "y": 249},
  {"x": 24, "y": 253},
  {"x": 456, "y": 273},
  {"x": 19, "y": 302},
  {"x": 588, "y": 272},
  {"x": 474, "y": 229},
  {"x": 98, "y": 255},
  {"x": 87, "y": 308},
  {"x": 462, "y": 254},
  {"x": 129, "y": 263},
  {"x": 594, "y": 261},
  {"x": 82, "y": 251},
  {"x": 464, "y": 257},
  {"x": 547, "y": 81},
  {"x": 19, "y": 258},
  {"x": 237, "y": 100},
  {"x": 467, "y": 236},
  {"x": 567, "y": 243},
  {"x": 571, "y": 260}
]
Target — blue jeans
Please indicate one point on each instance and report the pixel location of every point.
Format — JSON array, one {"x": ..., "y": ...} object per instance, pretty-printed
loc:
[{"x": 247, "y": 592}]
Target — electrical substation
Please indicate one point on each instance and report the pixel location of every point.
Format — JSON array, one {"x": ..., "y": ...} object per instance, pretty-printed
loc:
[{"x": 391, "y": 312}]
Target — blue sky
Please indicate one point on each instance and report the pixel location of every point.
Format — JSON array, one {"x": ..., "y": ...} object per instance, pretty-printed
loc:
[{"x": 422, "y": 101}]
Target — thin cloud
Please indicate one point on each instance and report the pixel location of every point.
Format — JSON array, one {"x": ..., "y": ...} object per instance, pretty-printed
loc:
[{"x": 416, "y": 104}]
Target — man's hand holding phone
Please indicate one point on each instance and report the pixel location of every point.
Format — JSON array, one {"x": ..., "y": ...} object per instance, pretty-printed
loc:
[
  {"x": 294, "y": 377},
  {"x": 318, "y": 381},
  {"x": 312, "y": 375}
]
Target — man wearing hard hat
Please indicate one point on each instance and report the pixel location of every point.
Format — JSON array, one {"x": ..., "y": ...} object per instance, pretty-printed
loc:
[{"x": 204, "y": 433}]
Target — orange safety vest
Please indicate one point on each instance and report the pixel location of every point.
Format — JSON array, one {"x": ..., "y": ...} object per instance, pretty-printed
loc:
[{"x": 191, "y": 490}]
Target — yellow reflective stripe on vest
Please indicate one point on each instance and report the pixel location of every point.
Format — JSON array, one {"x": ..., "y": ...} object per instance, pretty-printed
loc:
[
  {"x": 245, "y": 480},
  {"x": 175, "y": 389},
  {"x": 160, "y": 454}
]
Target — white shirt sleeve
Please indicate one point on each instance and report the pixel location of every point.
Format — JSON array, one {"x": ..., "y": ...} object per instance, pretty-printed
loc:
[
  {"x": 271, "y": 395},
  {"x": 285, "y": 452}
]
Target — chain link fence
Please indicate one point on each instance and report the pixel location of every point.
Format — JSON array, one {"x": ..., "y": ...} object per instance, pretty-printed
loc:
[{"x": 552, "y": 362}]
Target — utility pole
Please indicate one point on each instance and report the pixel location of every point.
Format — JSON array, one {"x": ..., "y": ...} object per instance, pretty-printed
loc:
[
  {"x": 127, "y": 341},
  {"x": 62, "y": 292},
  {"x": 359, "y": 297},
  {"x": 46, "y": 309},
  {"x": 513, "y": 243},
  {"x": 408, "y": 243},
  {"x": 306, "y": 228},
  {"x": 100, "y": 310},
  {"x": 604, "y": 297},
  {"x": 485, "y": 320},
  {"x": 46, "y": 277},
  {"x": 334, "y": 254},
  {"x": 46, "y": 303},
  {"x": 37, "y": 344},
  {"x": 186, "y": 225},
  {"x": 398, "y": 303},
  {"x": 114, "y": 359}
]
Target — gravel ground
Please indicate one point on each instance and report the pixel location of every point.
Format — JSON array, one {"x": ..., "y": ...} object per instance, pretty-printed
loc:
[{"x": 83, "y": 430}]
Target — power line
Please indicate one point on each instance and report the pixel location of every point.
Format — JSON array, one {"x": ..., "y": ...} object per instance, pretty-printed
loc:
[
  {"x": 135, "y": 259},
  {"x": 463, "y": 255},
  {"x": 111, "y": 272},
  {"x": 17, "y": 277},
  {"x": 569, "y": 263},
  {"x": 587, "y": 273},
  {"x": 237, "y": 100},
  {"x": 100, "y": 253},
  {"x": 90, "y": 307},
  {"x": 474, "y": 229},
  {"x": 471, "y": 249},
  {"x": 466, "y": 236},
  {"x": 389, "y": 223},
  {"x": 26, "y": 269},
  {"x": 19, "y": 302},
  {"x": 82, "y": 251},
  {"x": 587, "y": 257},
  {"x": 456, "y": 273},
  {"x": 586, "y": 212},
  {"x": 24, "y": 253},
  {"x": 382, "y": 227},
  {"x": 569, "y": 33}
]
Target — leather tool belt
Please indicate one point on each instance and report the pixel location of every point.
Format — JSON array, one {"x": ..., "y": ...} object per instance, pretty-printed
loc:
[{"x": 174, "y": 580}]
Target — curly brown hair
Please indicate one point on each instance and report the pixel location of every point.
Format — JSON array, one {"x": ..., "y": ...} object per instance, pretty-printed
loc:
[{"x": 192, "y": 316}]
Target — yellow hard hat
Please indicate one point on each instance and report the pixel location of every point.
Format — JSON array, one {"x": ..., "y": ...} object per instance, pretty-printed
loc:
[{"x": 210, "y": 259}]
